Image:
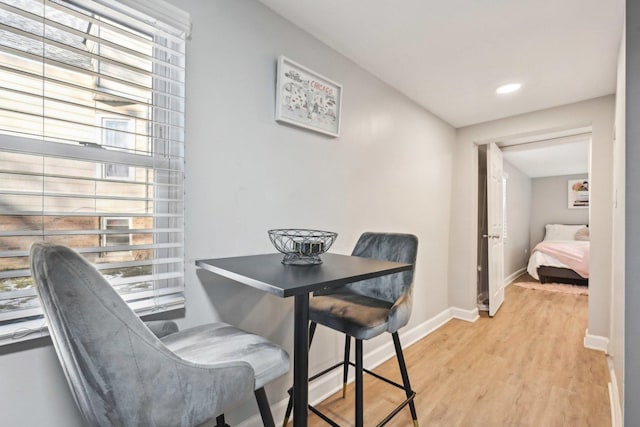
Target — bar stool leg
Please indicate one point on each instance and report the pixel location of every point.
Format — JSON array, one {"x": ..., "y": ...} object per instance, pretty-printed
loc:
[
  {"x": 359, "y": 385},
  {"x": 312, "y": 331},
  {"x": 345, "y": 373},
  {"x": 220, "y": 422},
  {"x": 263, "y": 406},
  {"x": 405, "y": 376}
]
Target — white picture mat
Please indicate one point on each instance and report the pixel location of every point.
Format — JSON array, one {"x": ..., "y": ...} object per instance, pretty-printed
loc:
[{"x": 307, "y": 99}]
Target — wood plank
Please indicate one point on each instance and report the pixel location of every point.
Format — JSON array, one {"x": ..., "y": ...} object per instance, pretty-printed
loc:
[{"x": 525, "y": 367}]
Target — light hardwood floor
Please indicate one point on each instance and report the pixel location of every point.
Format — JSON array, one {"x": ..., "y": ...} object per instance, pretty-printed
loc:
[{"x": 525, "y": 367}]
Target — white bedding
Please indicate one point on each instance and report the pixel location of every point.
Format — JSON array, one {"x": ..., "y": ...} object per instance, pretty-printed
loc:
[
  {"x": 570, "y": 254},
  {"x": 537, "y": 259},
  {"x": 568, "y": 242}
]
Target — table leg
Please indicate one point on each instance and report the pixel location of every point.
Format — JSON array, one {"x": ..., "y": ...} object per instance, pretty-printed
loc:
[{"x": 301, "y": 360}]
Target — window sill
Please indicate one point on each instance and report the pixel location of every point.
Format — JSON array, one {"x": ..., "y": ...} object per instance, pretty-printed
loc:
[
  {"x": 33, "y": 329},
  {"x": 23, "y": 331}
]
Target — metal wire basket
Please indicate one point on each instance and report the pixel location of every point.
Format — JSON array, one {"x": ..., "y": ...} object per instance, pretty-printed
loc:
[{"x": 300, "y": 246}]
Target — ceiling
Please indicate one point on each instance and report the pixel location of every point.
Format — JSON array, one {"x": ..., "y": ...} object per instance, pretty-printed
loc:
[
  {"x": 550, "y": 157},
  {"x": 450, "y": 55}
]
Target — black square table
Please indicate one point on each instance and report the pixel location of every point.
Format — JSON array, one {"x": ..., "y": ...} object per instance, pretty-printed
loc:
[{"x": 267, "y": 273}]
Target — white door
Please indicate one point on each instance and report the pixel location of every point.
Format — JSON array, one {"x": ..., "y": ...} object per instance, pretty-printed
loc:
[{"x": 495, "y": 230}]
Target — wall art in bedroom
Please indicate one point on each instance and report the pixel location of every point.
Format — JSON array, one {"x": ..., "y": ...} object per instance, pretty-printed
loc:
[
  {"x": 578, "y": 193},
  {"x": 307, "y": 99}
]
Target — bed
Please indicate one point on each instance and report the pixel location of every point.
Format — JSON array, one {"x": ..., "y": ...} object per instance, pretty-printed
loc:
[{"x": 563, "y": 255}]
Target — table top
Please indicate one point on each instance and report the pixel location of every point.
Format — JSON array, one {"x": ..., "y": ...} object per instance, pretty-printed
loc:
[{"x": 267, "y": 273}]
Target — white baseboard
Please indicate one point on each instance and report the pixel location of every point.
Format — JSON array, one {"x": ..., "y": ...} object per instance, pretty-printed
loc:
[
  {"x": 330, "y": 383},
  {"x": 596, "y": 342},
  {"x": 510, "y": 278},
  {"x": 614, "y": 398},
  {"x": 463, "y": 314}
]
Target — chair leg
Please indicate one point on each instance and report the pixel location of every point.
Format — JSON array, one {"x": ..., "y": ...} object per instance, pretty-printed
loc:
[
  {"x": 312, "y": 331},
  {"x": 405, "y": 376},
  {"x": 345, "y": 373},
  {"x": 359, "y": 385},
  {"x": 220, "y": 421},
  {"x": 287, "y": 414},
  {"x": 265, "y": 409}
]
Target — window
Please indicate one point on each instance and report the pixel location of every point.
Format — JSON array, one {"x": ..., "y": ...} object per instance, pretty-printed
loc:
[
  {"x": 118, "y": 134},
  {"x": 114, "y": 235},
  {"x": 91, "y": 145}
]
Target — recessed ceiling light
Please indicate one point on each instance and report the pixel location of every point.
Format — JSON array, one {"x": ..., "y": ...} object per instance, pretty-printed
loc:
[{"x": 508, "y": 88}]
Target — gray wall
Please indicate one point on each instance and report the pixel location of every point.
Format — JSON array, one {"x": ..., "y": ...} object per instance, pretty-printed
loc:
[
  {"x": 389, "y": 171},
  {"x": 516, "y": 246},
  {"x": 632, "y": 269},
  {"x": 549, "y": 205}
]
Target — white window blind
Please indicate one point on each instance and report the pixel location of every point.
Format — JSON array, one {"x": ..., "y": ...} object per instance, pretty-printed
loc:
[{"x": 91, "y": 147}]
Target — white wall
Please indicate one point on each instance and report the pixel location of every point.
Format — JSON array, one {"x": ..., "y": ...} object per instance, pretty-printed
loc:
[
  {"x": 597, "y": 113},
  {"x": 33, "y": 389},
  {"x": 516, "y": 245},
  {"x": 549, "y": 205},
  {"x": 389, "y": 171}
]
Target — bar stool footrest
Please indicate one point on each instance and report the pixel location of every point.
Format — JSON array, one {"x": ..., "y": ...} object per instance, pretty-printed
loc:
[{"x": 385, "y": 420}]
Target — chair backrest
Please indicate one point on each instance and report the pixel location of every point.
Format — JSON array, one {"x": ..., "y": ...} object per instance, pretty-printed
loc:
[
  {"x": 118, "y": 371},
  {"x": 393, "y": 288},
  {"x": 389, "y": 247}
]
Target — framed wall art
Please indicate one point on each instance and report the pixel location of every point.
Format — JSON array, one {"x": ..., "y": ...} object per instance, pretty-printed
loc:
[
  {"x": 305, "y": 98},
  {"x": 578, "y": 193}
]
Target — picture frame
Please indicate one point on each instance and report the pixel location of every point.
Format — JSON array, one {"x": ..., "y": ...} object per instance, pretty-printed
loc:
[
  {"x": 578, "y": 193},
  {"x": 307, "y": 99}
]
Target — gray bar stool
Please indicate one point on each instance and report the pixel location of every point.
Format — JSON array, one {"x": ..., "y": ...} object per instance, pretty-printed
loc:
[
  {"x": 123, "y": 373},
  {"x": 366, "y": 309}
]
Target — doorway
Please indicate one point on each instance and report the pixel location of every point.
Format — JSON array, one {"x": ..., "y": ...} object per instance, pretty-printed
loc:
[{"x": 551, "y": 158}]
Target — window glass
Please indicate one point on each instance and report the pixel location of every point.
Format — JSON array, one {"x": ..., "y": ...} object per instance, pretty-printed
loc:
[{"x": 118, "y": 134}]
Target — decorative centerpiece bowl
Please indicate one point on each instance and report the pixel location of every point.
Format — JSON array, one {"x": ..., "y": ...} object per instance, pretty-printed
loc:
[{"x": 300, "y": 246}]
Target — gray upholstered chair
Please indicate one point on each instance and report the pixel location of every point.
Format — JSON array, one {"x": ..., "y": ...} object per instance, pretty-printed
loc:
[
  {"x": 122, "y": 374},
  {"x": 366, "y": 309}
]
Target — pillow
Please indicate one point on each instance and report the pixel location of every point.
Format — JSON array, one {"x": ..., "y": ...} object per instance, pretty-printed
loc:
[
  {"x": 561, "y": 231},
  {"x": 582, "y": 234}
]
